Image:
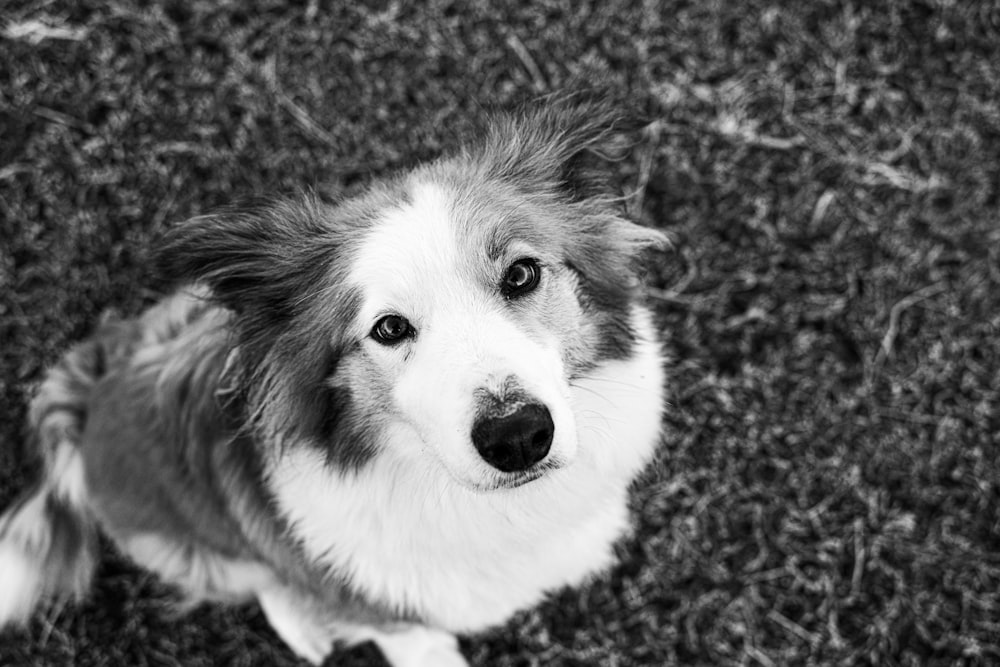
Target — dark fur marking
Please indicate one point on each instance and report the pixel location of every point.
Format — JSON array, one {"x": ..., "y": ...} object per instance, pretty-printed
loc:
[
  {"x": 353, "y": 447},
  {"x": 68, "y": 534},
  {"x": 608, "y": 304}
]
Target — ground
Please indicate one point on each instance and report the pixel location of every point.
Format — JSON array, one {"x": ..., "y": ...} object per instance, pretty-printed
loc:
[{"x": 828, "y": 489}]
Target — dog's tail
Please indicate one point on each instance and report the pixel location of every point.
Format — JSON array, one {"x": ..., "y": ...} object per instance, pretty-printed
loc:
[{"x": 48, "y": 539}]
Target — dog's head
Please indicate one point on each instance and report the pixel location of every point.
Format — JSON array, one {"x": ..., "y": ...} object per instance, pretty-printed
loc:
[{"x": 445, "y": 311}]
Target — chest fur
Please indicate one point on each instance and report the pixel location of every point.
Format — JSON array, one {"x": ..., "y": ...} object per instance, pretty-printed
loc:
[{"x": 407, "y": 535}]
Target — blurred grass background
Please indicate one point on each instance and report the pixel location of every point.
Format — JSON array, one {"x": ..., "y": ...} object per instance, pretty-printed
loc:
[{"x": 828, "y": 488}]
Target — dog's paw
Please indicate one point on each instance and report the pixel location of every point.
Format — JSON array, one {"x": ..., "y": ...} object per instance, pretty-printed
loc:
[
  {"x": 308, "y": 637},
  {"x": 418, "y": 646},
  {"x": 443, "y": 657}
]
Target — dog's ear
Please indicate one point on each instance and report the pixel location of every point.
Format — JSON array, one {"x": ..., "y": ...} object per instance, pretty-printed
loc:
[
  {"x": 273, "y": 264},
  {"x": 569, "y": 144},
  {"x": 258, "y": 258},
  {"x": 566, "y": 141}
]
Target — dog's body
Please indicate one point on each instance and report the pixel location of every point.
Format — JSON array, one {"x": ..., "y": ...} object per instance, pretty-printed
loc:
[{"x": 403, "y": 416}]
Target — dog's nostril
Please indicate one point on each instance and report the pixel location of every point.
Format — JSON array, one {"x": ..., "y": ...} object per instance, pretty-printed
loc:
[{"x": 516, "y": 441}]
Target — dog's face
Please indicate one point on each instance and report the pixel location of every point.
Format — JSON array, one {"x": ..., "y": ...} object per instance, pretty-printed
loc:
[
  {"x": 471, "y": 325},
  {"x": 444, "y": 313}
]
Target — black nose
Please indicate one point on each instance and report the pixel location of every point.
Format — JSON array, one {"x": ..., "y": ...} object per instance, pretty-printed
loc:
[{"x": 516, "y": 441}]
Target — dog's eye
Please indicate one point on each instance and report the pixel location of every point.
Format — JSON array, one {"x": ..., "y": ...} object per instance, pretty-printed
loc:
[
  {"x": 522, "y": 277},
  {"x": 391, "y": 329}
]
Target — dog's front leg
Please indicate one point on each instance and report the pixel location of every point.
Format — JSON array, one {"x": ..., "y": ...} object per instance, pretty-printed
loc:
[
  {"x": 311, "y": 634},
  {"x": 306, "y": 633},
  {"x": 418, "y": 646}
]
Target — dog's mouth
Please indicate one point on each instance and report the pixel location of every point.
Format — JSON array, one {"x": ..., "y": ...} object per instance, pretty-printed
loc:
[
  {"x": 514, "y": 480},
  {"x": 520, "y": 479}
]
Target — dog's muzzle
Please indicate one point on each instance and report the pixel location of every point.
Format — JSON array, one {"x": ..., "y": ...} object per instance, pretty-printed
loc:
[{"x": 515, "y": 441}]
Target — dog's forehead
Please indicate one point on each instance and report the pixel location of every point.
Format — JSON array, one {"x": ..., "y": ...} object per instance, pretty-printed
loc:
[
  {"x": 451, "y": 233},
  {"x": 416, "y": 248}
]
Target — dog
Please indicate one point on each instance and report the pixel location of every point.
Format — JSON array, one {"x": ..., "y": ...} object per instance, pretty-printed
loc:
[{"x": 397, "y": 417}]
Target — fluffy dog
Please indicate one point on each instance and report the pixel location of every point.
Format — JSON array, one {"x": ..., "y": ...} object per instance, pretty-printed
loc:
[{"x": 396, "y": 417}]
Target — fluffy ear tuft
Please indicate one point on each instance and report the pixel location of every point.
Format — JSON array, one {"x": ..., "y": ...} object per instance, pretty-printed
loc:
[
  {"x": 639, "y": 237},
  {"x": 567, "y": 141},
  {"x": 566, "y": 146},
  {"x": 256, "y": 258},
  {"x": 274, "y": 265}
]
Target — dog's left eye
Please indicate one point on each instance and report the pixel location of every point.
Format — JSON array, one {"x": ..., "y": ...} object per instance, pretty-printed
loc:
[
  {"x": 522, "y": 277},
  {"x": 391, "y": 329}
]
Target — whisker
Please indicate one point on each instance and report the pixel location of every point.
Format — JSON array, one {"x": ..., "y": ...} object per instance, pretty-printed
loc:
[
  {"x": 630, "y": 385},
  {"x": 603, "y": 434},
  {"x": 594, "y": 392},
  {"x": 603, "y": 416}
]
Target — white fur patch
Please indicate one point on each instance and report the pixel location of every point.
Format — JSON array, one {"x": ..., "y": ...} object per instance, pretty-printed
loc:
[
  {"x": 404, "y": 532},
  {"x": 619, "y": 405},
  {"x": 68, "y": 476},
  {"x": 21, "y": 585}
]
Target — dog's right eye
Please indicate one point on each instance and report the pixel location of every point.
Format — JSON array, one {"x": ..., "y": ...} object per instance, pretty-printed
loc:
[
  {"x": 522, "y": 277},
  {"x": 391, "y": 329}
]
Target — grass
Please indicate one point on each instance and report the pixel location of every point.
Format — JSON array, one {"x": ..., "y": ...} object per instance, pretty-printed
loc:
[{"x": 828, "y": 490}]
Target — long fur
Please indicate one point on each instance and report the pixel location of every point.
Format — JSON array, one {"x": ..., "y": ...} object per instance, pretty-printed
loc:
[
  {"x": 48, "y": 539},
  {"x": 246, "y": 437}
]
